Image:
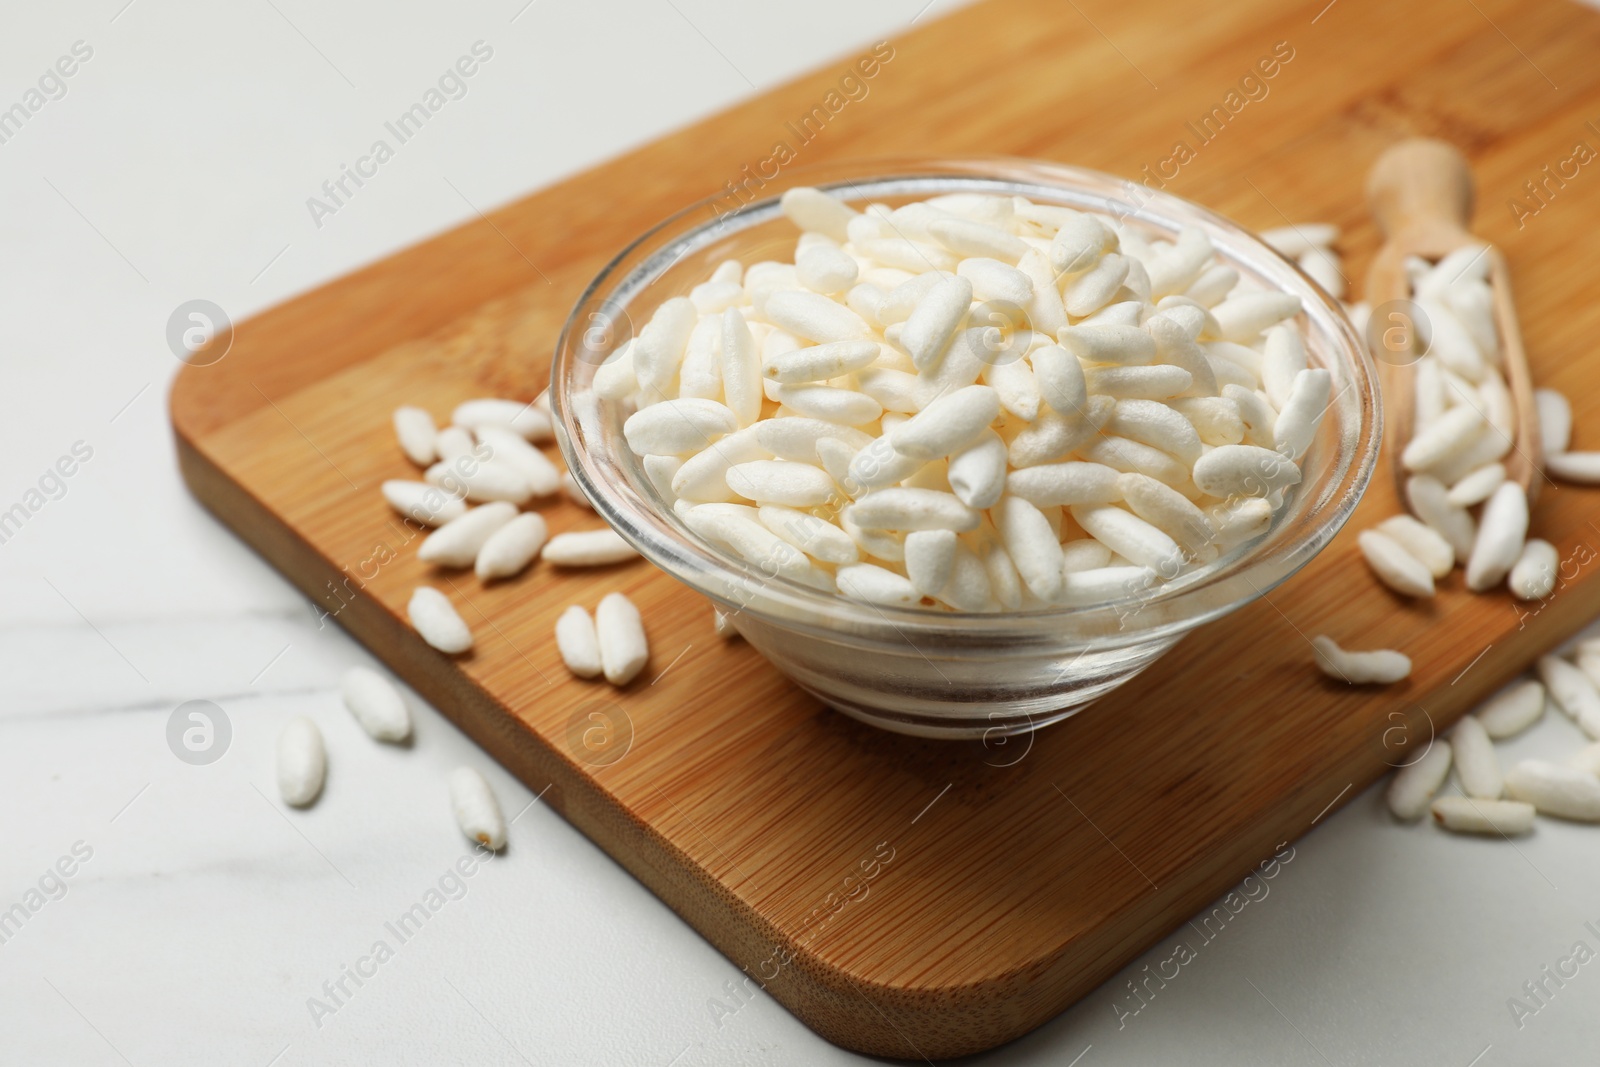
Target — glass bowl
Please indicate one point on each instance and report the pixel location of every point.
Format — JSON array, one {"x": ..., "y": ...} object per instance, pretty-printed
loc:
[{"x": 931, "y": 672}]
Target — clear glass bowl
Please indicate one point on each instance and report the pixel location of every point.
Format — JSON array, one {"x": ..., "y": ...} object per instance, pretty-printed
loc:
[{"x": 934, "y": 672}]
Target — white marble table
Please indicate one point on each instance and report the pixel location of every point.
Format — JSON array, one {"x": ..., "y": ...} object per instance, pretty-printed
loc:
[{"x": 200, "y": 919}]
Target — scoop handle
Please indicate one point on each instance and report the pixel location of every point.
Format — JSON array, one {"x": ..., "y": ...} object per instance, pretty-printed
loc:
[{"x": 1422, "y": 186}]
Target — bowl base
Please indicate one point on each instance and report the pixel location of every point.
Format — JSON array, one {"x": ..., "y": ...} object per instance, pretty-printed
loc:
[{"x": 984, "y": 729}]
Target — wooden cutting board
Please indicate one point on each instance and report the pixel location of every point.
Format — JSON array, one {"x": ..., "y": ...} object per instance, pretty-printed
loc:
[{"x": 905, "y": 897}]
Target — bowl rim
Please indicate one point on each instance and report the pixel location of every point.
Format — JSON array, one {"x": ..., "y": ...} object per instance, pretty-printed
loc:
[{"x": 1195, "y": 596}]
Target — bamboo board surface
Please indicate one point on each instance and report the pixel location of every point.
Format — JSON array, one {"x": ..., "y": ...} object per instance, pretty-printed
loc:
[{"x": 905, "y": 897}]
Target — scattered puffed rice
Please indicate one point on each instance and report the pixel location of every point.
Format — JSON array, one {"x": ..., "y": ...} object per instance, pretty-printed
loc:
[
  {"x": 302, "y": 762},
  {"x": 376, "y": 704},
  {"x": 1533, "y": 576},
  {"x": 512, "y": 547},
  {"x": 1394, "y": 566},
  {"x": 1377, "y": 667},
  {"x": 623, "y": 648},
  {"x": 588, "y": 548},
  {"x": 1510, "y": 818},
  {"x": 1422, "y": 541},
  {"x": 476, "y": 810},
  {"x": 507, "y": 446},
  {"x": 1582, "y": 468},
  {"x": 1564, "y": 791},
  {"x": 414, "y": 429},
  {"x": 1573, "y": 692},
  {"x": 427, "y": 504},
  {"x": 1414, "y": 784},
  {"x": 528, "y": 420},
  {"x": 1476, "y": 765},
  {"x": 1512, "y": 711},
  {"x": 435, "y": 618},
  {"x": 578, "y": 642},
  {"x": 458, "y": 542},
  {"x": 482, "y": 480}
]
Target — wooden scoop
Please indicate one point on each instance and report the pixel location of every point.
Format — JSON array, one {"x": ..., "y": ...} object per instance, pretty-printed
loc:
[{"x": 1421, "y": 193}]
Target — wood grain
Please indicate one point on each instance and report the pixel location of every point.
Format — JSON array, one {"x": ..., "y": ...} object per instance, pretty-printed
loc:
[{"x": 1006, "y": 881}]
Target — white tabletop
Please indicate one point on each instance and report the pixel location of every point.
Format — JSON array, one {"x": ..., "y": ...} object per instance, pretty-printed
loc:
[{"x": 201, "y": 920}]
